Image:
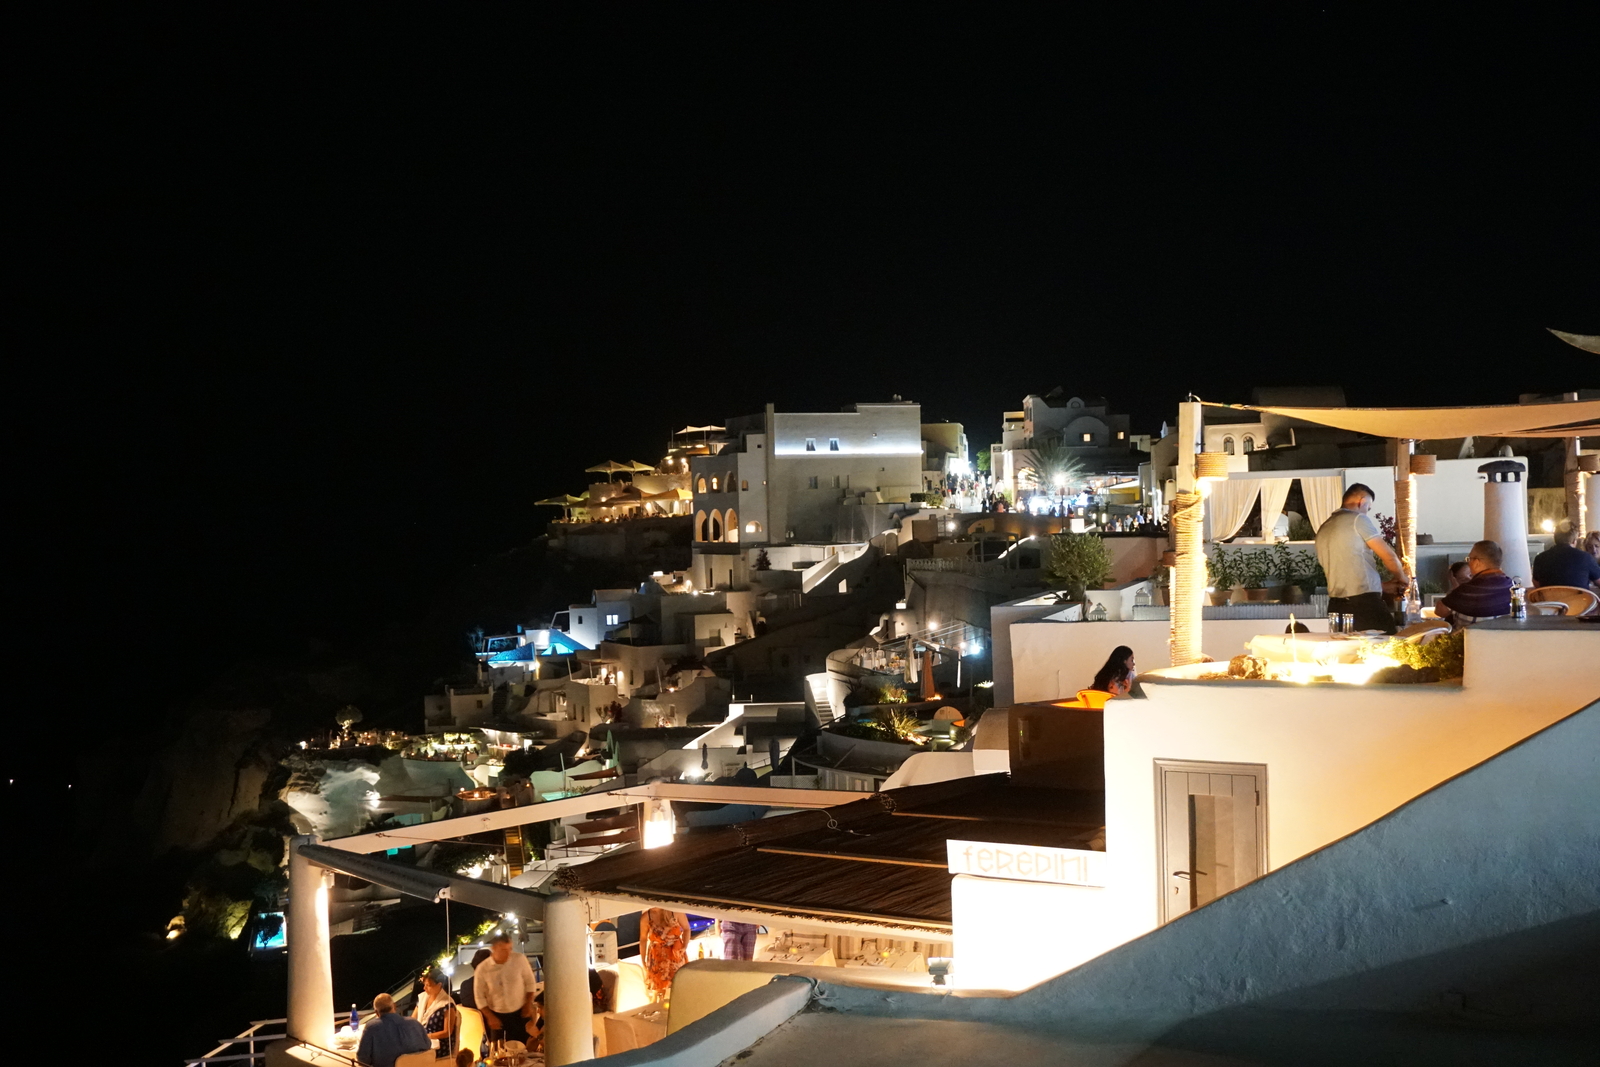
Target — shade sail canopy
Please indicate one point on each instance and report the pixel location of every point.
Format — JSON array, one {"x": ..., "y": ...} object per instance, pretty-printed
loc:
[
  {"x": 641, "y": 468},
  {"x": 1587, "y": 342},
  {"x": 1558, "y": 419},
  {"x": 702, "y": 429},
  {"x": 431, "y": 886}
]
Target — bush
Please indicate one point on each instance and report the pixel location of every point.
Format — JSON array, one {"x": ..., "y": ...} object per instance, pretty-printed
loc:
[
  {"x": 1444, "y": 654},
  {"x": 892, "y": 694},
  {"x": 1078, "y": 561}
]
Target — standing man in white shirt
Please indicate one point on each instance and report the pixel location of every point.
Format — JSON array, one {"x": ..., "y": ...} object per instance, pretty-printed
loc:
[{"x": 504, "y": 987}]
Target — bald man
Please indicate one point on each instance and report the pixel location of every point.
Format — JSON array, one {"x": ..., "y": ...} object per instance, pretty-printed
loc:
[{"x": 387, "y": 1036}]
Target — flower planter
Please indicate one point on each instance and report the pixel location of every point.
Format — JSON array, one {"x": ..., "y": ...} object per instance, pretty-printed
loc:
[
  {"x": 1220, "y": 598},
  {"x": 1256, "y": 596}
]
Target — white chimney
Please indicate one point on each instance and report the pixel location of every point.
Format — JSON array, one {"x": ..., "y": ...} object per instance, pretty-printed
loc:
[{"x": 1505, "y": 515}]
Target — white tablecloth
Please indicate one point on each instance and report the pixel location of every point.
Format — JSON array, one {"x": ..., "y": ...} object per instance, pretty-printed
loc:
[
  {"x": 634, "y": 1029},
  {"x": 895, "y": 961}
]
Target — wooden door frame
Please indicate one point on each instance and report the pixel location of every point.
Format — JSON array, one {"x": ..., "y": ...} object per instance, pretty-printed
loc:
[{"x": 1159, "y": 768}]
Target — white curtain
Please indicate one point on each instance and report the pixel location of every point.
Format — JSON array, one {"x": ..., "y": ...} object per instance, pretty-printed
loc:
[
  {"x": 1229, "y": 503},
  {"x": 1323, "y": 497},
  {"x": 1274, "y": 491}
]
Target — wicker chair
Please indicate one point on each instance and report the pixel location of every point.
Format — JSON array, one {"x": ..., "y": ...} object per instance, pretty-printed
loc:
[{"x": 1578, "y": 601}]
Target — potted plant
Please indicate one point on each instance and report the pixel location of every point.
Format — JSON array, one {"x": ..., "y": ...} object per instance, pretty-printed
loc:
[
  {"x": 1079, "y": 562},
  {"x": 1254, "y": 570},
  {"x": 1285, "y": 568},
  {"x": 1223, "y": 571}
]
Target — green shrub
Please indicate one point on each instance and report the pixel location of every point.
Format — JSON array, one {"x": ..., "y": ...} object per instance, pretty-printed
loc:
[
  {"x": 1445, "y": 654},
  {"x": 1078, "y": 561}
]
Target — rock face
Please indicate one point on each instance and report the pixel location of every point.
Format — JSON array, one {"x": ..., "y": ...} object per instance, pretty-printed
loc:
[
  {"x": 330, "y": 797},
  {"x": 211, "y": 774}
]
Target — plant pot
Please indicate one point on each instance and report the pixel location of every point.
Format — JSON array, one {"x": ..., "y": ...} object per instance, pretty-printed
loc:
[
  {"x": 1256, "y": 596},
  {"x": 1293, "y": 594},
  {"x": 1219, "y": 598}
]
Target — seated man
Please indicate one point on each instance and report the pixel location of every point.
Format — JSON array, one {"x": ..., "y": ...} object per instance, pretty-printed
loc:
[
  {"x": 1564, "y": 564},
  {"x": 387, "y": 1037},
  {"x": 1487, "y": 595}
]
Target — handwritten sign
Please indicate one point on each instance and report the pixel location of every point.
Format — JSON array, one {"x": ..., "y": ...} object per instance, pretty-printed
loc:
[{"x": 1028, "y": 863}]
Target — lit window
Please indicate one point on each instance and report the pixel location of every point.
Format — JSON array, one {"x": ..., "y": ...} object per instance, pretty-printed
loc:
[
  {"x": 744, "y": 484},
  {"x": 612, "y": 620},
  {"x": 714, "y": 483},
  {"x": 1227, "y": 445},
  {"x": 1122, "y": 435},
  {"x": 833, "y": 444},
  {"x": 701, "y": 485},
  {"x": 1249, "y": 443},
  {"x": 1088, "y": 437},
  {"x": 811, "y": 483},
  {"x": 811, "y": 444}
]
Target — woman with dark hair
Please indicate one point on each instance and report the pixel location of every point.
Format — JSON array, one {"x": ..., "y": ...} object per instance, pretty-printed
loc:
[
  {"x": 1117, "y": 676},
  {"x": 436, "y": 1012}
]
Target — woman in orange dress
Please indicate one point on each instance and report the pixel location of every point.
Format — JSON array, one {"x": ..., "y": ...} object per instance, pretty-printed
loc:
[{"x": 666, "y": 948}]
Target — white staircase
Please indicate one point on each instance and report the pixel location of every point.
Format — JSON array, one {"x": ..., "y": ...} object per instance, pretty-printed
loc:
[{"x": 819, "y": 698}]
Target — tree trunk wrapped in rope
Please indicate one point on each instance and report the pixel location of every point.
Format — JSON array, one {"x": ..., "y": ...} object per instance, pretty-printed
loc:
[{"x": 1188, "y": 577}]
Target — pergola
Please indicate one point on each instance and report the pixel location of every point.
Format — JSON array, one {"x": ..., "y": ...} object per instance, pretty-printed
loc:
[
  {"x": 565, "y": 916},
  {"x": 1571, "y": 419}
]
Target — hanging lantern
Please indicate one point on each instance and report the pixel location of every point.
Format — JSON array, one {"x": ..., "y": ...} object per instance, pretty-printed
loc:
[{"x": 1422, "y": 463}]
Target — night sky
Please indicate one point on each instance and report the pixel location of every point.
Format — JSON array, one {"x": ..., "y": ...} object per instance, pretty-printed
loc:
[{"x": 334, "y": 294}]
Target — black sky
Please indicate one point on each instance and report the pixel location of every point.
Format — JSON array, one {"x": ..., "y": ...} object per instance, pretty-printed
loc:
[{"x": 350, "y": 287}]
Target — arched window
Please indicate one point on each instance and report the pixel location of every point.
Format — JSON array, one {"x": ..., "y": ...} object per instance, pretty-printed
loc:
[
  {"x": 701, "y": 529},
  {"x": 716, "y": 484},
  {"x": 733, "y": 525},
  {"x": 1227, "y": 445},
  {"x": 716, "y": 526},
  {"x": 752, "y": 527},
  {"x": 700, "y": 486},
  {"x": 1249, "y": 443}
]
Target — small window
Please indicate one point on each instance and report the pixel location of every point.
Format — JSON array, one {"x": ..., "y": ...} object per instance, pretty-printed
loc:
[
  {"x": 744, "y": 484},
  {"x": 715, "y": 485},
  {"x": 612, "y": 620},
  {"x": 811, "y": 482},
  {"x": 836, "y": 481},
  {"x": 1122, "y": 435},
  {"x": 580, "y": 620},
  {"x": 1088, "y": 437},
  {"x": 1249, "y": 443},
  {"x": 1227, "y": 446},
  {"x": 701, "y": 485},
  {"x": 811, "y": 444},
  {"x": 833, "y": 444}
]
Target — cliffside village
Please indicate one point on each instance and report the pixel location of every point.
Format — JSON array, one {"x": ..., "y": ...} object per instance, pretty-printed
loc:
[{"x": 979, "y": 721}]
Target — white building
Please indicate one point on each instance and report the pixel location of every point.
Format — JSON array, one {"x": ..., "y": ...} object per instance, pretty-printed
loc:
[{"x": 788, "y": 481}]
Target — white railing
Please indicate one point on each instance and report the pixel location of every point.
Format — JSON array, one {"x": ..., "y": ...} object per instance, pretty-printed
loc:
[{"x": 263, "y": 1032}]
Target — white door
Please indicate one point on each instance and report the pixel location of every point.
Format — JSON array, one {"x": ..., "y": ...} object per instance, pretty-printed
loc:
[{"x": 1212, "y": 830}]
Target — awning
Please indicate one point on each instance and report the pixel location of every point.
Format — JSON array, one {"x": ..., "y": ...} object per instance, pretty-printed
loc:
[
  {"x": 1558, "y": 419},
  {"x": 432, "y": 886}
]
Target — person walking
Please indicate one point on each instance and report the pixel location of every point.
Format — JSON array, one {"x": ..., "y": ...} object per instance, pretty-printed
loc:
[{"x": 1346, "y": 544}]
